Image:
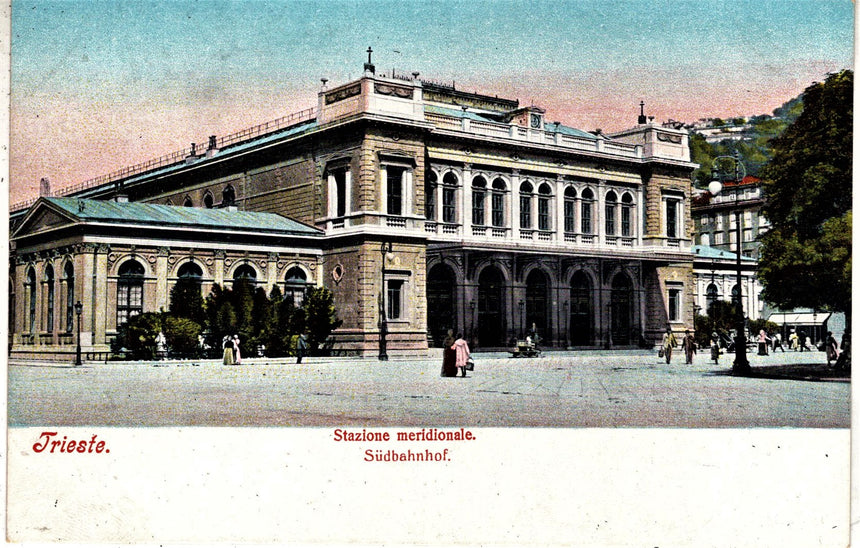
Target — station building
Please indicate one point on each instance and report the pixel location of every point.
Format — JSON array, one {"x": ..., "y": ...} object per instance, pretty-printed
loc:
[{"x": 458, "y": 210}]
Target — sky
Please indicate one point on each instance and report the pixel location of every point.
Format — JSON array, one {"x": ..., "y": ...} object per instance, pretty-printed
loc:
[{"x": 100, "y": 85}]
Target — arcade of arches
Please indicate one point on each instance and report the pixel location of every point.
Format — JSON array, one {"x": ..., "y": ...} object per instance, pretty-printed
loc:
[{"x": 568, "y": 302}]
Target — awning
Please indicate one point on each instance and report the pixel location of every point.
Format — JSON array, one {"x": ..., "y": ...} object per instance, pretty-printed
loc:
[{"x": 799, "y": 318}]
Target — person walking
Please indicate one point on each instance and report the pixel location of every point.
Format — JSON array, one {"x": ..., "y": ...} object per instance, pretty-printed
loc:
[
  {"x": 227, "y": 344},
  {"x": 668, "y": 343},
  {"x": 689, "y": 345},
  {"x": 715, "y": 347},
  {"x": 461, "y": 348},
  {"x": 301, "y": 347},
  {"x": 777, "y": 342},
  {"x": 832, "y": 348},
  {"x": 449, "y": 356},
  {"x": 792, "y": 341},
  {"x": 801, "y": 340},
  {"x": 763, "y": 342}
]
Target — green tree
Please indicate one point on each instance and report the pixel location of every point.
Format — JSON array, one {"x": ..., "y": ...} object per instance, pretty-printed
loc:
[
  {"x": 137, "y": 336},
  {"x": 186, "y": 301},
  {"x": 320, "y": 316},
  {"x": 182, "y": 335},
  {"x": 806, "y": 256}
]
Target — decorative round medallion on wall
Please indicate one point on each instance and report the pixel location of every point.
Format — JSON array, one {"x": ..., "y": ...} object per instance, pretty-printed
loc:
[{"x": 337, "y": 273}]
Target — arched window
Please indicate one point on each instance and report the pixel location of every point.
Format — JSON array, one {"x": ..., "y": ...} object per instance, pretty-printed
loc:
[
  {"x": 544, "y": 201},
  {"x": 296, "y": 286},
  {"x": 449, "y": 197},
  {"x": 479, "y": 195},
  {"x": 570, "y": 209},
  {"x": 190, "y": 271},
  {"x": 228, "y": 197},
  {"x": 497, "y": 206},
  {"x": 49, "y": 297},
  {"x": 586, "y": 212},
  {"x": 208, "y": 200},
  {"x": 188, "y": 202},
  {"x": 129, "y": 291},
  {"x": 627, "y": 215},
  {"x": 245, "y": 272},
  {"x": 526, "y": 191},
  {"x": 430, "y": 185},
  {"x": 711, "y": 296},
  {"x": 30, "y": 292},
  {"x": 69, "y": 274},
  {"x": 611, "y": 205}
]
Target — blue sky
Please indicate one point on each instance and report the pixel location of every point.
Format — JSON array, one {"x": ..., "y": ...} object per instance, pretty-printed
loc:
[{"x": 99, "y": 85}]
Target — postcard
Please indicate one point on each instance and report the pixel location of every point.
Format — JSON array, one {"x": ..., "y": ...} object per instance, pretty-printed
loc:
[{"x": 429, "y": 273}]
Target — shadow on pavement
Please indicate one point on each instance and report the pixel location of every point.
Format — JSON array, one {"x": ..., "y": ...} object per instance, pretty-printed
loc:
[{"x": 796, "y": 372}]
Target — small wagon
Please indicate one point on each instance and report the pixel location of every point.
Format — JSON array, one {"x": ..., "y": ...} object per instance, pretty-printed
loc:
[{"x": 525, "y": 349}]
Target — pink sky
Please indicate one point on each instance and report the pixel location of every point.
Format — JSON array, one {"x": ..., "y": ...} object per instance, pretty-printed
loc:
[{"x": 99, "y": 87}]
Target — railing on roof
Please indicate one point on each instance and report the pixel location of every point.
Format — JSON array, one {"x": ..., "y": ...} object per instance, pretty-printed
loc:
[{"x": 259, "y": 130}]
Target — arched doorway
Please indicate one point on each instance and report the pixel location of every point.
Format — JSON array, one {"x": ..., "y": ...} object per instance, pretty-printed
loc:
[
  {"x": 441, "y": 310},
  {"x": 581, "y": 310},
  {"x": 491, "y": 307},
  {"x": 537, "y": 304},
  {"x": 621, "y": 308}
]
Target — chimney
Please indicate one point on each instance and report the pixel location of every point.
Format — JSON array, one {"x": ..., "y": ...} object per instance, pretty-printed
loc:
[
  {"x": 193, "y": 155},
  {"x": 213, "y": 147},
  {"x": 642, "y": 119},
  {"x": 45, "y": 187}
]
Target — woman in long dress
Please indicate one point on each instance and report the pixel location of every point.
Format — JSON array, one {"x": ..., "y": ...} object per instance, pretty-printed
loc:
[
  {"x": 449, "y": 356},
  {"x": 237, "y": 354},
  {"x": 461, "y": 348},
  {"x": 227, "y": 343}
]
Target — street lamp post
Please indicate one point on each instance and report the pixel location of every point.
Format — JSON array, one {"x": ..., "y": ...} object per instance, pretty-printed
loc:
[
  {"x": 741, "y": 365},
  {"x": 385, "y": 249},
  {"x": 78, "y": 309}
]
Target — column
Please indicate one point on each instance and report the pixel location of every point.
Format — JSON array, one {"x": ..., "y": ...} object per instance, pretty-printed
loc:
[
  {"x": 271, "y": 271},
  {"x": 559, "y": 209},
  {"x": 466, "y": 200},
  {"x": 100, "y": 289},
  {"x": 514, "y": 206},
  {"x": 162, "y": 300},
  {"x": 218, "y": 267},
  {"x": 600, "y": 214}
]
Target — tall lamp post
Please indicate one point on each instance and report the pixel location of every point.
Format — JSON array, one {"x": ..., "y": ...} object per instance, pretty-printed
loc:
[
  {"x": 386, "y": 250},
  {"x": 78, "y": 309},
  {"x": 741, "y": 365}
]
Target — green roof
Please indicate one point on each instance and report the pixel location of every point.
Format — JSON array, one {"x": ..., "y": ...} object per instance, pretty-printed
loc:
[
  {"x": 165, "y": 215},
  {"x": 708, "y": 252}
]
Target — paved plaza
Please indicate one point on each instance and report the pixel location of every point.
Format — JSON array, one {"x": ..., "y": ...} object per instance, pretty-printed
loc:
[{"x": 560, "y": 389}]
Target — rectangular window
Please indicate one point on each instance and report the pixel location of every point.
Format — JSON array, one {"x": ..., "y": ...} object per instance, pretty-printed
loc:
[
  {"x": 674, "y": 305},
  {"x": 340, "y": 192},
  {"x": 498, "y": 209},
  {"x": 569, "y": 220},
  {"x": 610, "y": 220},
  {"x": 672, "y": 218},
  {"x": 394, "y": 187},
  {"x": 543, "y": 214},
  {"x": 525, "y": 212},
  {"x": 449, "y": 211},
  {"x": 478, "y": 208},
  {"x": 586, "y": 217},
  {"x": 394, "y": 299},
  {"x": 626, "y": 213}
]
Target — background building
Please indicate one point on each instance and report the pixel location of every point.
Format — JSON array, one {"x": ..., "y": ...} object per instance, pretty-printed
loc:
[{"x": 457, "y": 210}]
